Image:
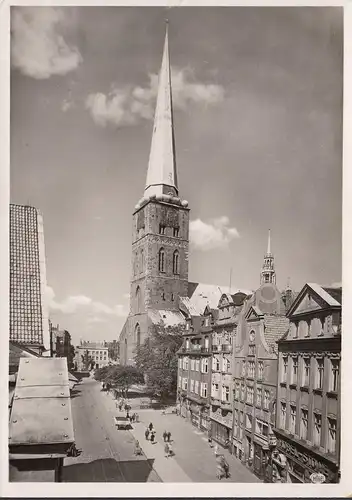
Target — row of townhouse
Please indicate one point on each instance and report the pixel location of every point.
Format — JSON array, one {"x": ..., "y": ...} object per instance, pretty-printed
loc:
[{"x": 260, "y": 374}]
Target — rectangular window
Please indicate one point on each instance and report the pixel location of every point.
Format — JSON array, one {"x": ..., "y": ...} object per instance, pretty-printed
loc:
[
  {"x": 266, "y": 399},
  {"x": 180, "y": 362},
  {"x": 331, "y": 445},
  {"x": 185, "y": 383},
  {"x": 306, "y": 372},
  {"x": 161, "y": 229},
  {"x": 215, "y": 390},
  {"x": 284, "y": 369},
  {"x": 237, "y": 390},
  {"x": 204, "y": 365},
  {"x": 196, "y": 387},
  {"x": 248, "y": 421},
  {"x": 192, "y": 364},
  {"x": 259, "y": 397},
  {"x": 242, "y": 391},
  {"x": 176, "y": 232},
  {"x": 334, "y": 375},
  {"x": 282, "y": 415},
  {"x": 317, "y": 429},
  {"x": 319, "y": 375},
  {"x": 204, "y": 389},
  {"x": 197, "y": 365},
  {"x": 260, "y": 370},
  {"x": 292, "y": 419},
  {"x": 261, "y": 427},
  {"x": 192, "y": 385},
  {"x": 304, "y": 424},
  {"x": 294, "y": 369},
  {"x": 227, "y": 394},
  {"x": 217, "y": 364}
]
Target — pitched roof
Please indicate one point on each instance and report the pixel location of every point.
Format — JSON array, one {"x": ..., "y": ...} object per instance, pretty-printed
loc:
[
  {"x": 334, "y": 292},
  {"x": 327, "y": 294},
  {"x": 168, "y": 318},
  {"x": 200, "y": 295},
  {"x": 274, "y": 328},
  {"x": 16, "y": 353}
]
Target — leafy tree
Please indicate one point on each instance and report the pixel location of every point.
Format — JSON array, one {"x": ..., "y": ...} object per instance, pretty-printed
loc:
[
  {"x": 87, "y": 360},
  {"x": 113, "y": 350},
  {"x": 119, "y": 377},
  {"x": 157, "y": 359}
]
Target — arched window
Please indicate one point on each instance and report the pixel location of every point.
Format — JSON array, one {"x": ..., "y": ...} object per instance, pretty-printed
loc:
[
  {"x": 176, "y": 262},
  {"x": 142, "y": 261},
  {"x": 162, "y": 260},
  {"x": 138, "y": 335},
  {"x": 138, "y": 299}
]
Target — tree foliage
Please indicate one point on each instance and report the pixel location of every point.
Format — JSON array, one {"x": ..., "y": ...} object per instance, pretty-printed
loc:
[
  {"x": 119, "y": 377},
  {"x": 87, "y": 360},
  {"x": 157, "y": 359}
]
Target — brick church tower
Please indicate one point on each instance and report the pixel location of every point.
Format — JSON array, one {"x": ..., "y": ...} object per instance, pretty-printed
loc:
[{"x": 159, "y": 231}]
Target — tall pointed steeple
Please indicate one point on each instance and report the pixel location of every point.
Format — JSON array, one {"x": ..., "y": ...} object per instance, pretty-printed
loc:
[
  {"x": 268, "y": 274},
  {"x": 162, "y": 176}
]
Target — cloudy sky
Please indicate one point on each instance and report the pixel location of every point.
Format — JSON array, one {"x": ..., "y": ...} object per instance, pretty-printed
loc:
[{"x": 258, "y": 125}]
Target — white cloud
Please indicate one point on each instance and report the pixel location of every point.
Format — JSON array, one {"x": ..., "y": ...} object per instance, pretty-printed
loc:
[
  {"x": 38, "y": 47},
  {"x": 213, "y": 234},
  {"x": 75, "y": 303},
  {"x": 129, "y": 105},
  {"x": 66, "y": 105}
]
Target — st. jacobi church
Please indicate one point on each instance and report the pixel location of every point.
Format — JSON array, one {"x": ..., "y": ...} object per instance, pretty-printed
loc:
[{"x": 160, "y": 291}]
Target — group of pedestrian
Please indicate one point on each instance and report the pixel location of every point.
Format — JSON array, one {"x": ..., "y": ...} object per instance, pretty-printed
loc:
[
  {"x": 132, "y": 418},
  {"x": 167, "y": 437},
  {"x": 150, "y": 431}
]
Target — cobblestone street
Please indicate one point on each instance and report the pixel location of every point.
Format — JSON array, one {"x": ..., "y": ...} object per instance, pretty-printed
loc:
[{"x": 108, "y": 454}]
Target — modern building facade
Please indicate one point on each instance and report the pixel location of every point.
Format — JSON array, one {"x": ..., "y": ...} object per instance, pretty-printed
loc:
[
  {"x": 97, "y": 352},
  {"x": 29, "y": 322},
  {"x": 308, "y": 394}
]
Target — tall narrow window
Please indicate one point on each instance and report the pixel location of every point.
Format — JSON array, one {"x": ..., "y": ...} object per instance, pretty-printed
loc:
[
  {"x": 138, "y": 335},
  {"x": 162, "y": 260},
  {"x": 334, "y": 375},
  {"x": 304, "y": 424},
  {"x": 319, "y": 375},
  {"x": 176, "y": 232},
  {"x": 283, "y": 415},
  {"x": 294, "y": 370},
  {"x": 331, "y": 445},
  {"x": 292, "y": 419},
  {"x": 317, "y": 429},
  {"x": 176, "y": 263},
  {"x": 138, "y": 299},
  {"x": 260, "y": 370},
  {"x": 306, "y": 372},
  {"x": 142, "y": 261},
  {"x": 161, "y": 229}
]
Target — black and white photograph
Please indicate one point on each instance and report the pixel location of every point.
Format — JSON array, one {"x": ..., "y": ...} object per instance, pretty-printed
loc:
[{"x": 175, "y": 245}]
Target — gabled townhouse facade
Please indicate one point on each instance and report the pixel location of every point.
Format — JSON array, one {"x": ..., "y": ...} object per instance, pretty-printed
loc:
[
  {"x": 308, "y": 393},
  {"x": 194, "y": 371}
]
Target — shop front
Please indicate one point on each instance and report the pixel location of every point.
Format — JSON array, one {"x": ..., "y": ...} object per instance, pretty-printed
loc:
[
  {"x": 204, "y": 419},
  {"x": 302, "y": 462},
  {"x": 221, "y": 427}
]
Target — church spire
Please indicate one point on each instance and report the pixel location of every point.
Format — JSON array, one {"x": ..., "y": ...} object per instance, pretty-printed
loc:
[
  {"x": 268, "y": 274},
  {"x": 162, "y": 176}
]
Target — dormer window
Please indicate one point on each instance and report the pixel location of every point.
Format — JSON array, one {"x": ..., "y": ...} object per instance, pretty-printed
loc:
[
  {"x": 162, "y": 229},
  {"x": 206, "y": 321}
]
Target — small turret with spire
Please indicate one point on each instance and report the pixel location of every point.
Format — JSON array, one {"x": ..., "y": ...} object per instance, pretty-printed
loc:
[{"x": 268, "y": 274}]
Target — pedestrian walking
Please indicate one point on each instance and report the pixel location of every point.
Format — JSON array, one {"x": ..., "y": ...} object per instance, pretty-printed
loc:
[
  {"x": 166, "y": 450},
  {"x": 171, "y": 451},
  {"x": 137, "y": 449},
  {"x": 150, "y": 426},
  {"x": 169, "y": 437},
  {"x": 147, "y": 434},
  {"x": 152, "y": 437},
  {"x": 164, "y": 436}
]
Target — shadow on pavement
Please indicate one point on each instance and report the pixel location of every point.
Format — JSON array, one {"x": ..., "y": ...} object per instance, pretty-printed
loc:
[{"x": 109, "y": 470}]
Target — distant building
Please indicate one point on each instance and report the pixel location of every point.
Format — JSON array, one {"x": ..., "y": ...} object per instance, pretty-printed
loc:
[
  {"x": 61, "y": 346},
  {"x": 97, "y": 353},
  {"x": 29, "y": 323},
  {"x": 309, "y": 391}
]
